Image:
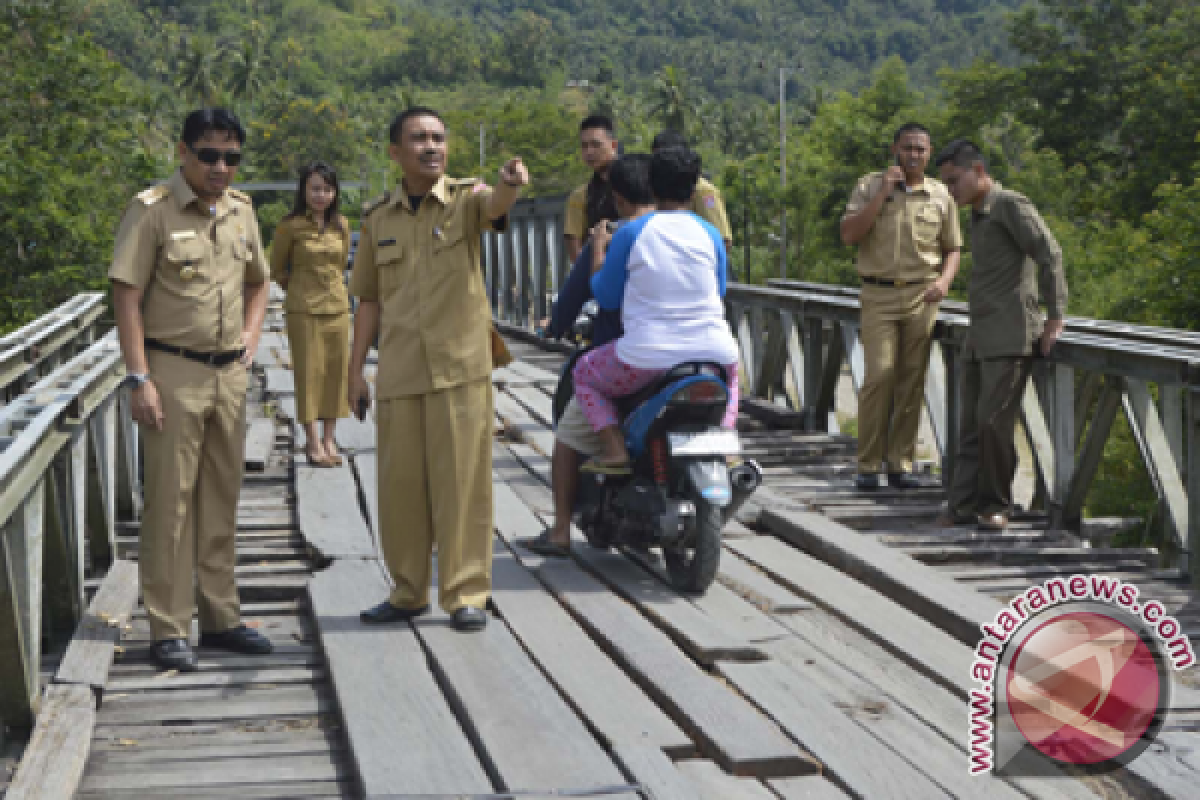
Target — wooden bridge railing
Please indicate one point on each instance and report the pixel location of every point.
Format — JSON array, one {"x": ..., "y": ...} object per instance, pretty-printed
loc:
[
  {"x": 30, "y": 352},
  {"x": 68, "y": 470},
  {"x": 797, "y": 338}
]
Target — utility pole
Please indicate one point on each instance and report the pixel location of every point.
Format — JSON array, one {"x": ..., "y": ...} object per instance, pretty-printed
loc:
[{"x": 482, "y": 148}]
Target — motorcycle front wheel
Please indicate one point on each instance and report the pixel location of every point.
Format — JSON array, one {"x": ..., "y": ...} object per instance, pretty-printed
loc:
[{"x": 693, "y": 569}]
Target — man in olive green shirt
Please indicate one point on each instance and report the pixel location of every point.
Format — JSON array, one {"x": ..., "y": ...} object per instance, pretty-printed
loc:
[
  {"x": 906, "y": 227},
  {"x": 1015, "y": 255}
]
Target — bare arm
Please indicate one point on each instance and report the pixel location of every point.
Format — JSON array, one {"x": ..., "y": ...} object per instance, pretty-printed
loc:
[
  {"x": 146, "y": 407},
  {"x": 253, "y": 313},
  {"x": 366, "y": 326}
]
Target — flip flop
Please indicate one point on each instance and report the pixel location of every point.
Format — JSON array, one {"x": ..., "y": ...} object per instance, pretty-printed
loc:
[
  {"x": 544, "y": 546},
  {"x": 601, "y": 468}
]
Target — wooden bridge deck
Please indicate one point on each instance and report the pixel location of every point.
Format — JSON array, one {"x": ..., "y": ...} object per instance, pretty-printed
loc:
[{"x": 824, "y": 663}]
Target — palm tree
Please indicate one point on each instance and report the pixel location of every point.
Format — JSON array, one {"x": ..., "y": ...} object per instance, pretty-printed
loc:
[
  {"x": 250, "y": 63},
  {"x": 197, "y": 69},
  {"x": 672, "y": 103}
]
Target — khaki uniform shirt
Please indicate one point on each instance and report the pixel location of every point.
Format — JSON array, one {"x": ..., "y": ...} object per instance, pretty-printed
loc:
[
  {"x": 708, "y": 205},
  {"x": 911, "y": 235},
  {"x": 586, "y": 206},
  {"x": 312, "y": 263},
  {"x": 1013, "y": 254},
  {"x": 422, "y": 266},
  {"x": 192, "y": 263}
]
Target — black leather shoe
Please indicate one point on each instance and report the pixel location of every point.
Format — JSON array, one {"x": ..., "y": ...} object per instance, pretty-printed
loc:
[
  {"x": 868, "y": 481},
  {"x": 174, "y": 654},
  {"x": 903, "y": 480},
  {"x": 385, "y": 612},
  {"x": 238, "y": 640},
  {"x": 469, "y": 619}
]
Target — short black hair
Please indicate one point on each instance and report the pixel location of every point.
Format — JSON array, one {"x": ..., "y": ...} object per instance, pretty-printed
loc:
[
  {"x": 961, "y": 153},
  {"x": 668, "y": 138},
  {"x": 673, "y": 174},
  {"x": 629, "y": 177},
  {"x": 204, "y": 120},
  {"x": 397, "y": 126},
  {"x": 911, "y": 127},
  {"x": 597, "y": 121}
]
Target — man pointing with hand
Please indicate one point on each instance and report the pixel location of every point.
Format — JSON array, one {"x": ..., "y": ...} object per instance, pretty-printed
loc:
[{"x": 418, "y": 279}]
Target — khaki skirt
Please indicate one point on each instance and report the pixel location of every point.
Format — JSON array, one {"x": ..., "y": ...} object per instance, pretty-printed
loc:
[{"x": 320, "y": 345}]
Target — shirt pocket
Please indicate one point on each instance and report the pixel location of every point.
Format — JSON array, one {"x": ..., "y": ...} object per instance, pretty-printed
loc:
[
  {"x": 927, "y": 224},
  {"x": 393, "y": 268},
  {"x": 187, "y": 267}
]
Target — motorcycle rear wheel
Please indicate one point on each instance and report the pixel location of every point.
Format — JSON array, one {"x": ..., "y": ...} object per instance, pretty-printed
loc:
[{"x": 693, "y": 569}]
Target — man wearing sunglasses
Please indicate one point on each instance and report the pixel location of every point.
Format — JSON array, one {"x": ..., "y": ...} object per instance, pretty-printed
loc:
[{"x": 190, "y": 291}]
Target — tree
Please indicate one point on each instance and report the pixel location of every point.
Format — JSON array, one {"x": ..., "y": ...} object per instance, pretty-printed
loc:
[
  {"x": 69, "y": 158},
  {"x": 196, "y": 73},
  {"x": 250, "y": 63},
  {"x": 672, "y": 102}
]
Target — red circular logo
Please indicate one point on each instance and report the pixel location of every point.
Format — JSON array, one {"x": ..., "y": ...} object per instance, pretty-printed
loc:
[{"x": 1083, "y": 688}]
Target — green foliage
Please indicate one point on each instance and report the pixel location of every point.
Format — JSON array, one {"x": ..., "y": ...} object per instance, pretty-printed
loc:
[{"x": 69, "y": 157}]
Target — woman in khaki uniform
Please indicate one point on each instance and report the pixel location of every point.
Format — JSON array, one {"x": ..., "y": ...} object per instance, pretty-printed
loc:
[{"x": 308, "y": 257}]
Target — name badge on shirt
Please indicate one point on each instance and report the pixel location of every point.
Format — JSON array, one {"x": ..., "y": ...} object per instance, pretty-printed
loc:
[
  {"x": 386, "y": 242},
  {"x": 181, "y": 236}
]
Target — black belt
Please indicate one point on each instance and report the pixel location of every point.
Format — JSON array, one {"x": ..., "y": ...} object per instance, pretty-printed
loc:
[
  {"x": 900, "y": 284},
  {"x": 208, "y": 359}
]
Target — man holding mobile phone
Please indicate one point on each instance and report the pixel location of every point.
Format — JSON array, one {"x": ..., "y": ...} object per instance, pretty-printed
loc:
[
  {"x": 1015, "y": 258},
  {"x": 905, "y": 225}
]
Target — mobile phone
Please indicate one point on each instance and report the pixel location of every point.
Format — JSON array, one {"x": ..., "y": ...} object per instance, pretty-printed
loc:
[
  {"x": 361, "y": 410},
  {"x": 609, "y": 225}
]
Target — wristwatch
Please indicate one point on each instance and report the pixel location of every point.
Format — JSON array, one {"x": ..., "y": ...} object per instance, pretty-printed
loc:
[{"x": 134, "y": 380}]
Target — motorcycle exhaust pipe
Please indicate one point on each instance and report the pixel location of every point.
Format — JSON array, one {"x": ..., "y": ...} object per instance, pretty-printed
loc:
[{"x": 744, "y": 479}]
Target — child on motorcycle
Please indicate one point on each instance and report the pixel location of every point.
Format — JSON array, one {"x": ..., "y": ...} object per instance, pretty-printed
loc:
[{"x": 666, "y": 272}]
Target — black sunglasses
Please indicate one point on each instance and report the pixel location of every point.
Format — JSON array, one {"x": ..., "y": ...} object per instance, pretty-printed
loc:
[{"x": 211, "y": 155}]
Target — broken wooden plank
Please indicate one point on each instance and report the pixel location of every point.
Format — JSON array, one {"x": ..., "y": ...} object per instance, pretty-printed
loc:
[
  {"x": 656, "y": 773},
  {"x": 331, "y": 519},
  {"x": 610, "y": 702},
  {"x": 260, "y": 441},
  {"x": 728, "y": 729},
  {"x": 90, "y": 652},
  {"x": 526, "y": 734},
  {"x": 52, "y": 764},
  {"x": 402, "y": 734}
]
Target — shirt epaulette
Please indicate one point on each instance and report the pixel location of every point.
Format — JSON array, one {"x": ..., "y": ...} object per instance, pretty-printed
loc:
[
  {"x": 371, "y": 205},
  {"x": 149, "y": 197},
  {"x": 462, "y": 181},
  {"x": 241, "y": 197}
]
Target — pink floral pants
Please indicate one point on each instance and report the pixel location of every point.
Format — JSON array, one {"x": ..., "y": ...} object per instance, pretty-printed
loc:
[{"x": 600, "y": 377}]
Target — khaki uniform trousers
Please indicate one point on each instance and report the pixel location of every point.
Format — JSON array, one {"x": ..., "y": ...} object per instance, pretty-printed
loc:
[
  {"x": 193, "y": 477},
  {"x": 897, "y": 331},
  {"x": 320, "y": 347},
  {"x": 435, "y": 487},
  {"x": 986, "y": 461}
]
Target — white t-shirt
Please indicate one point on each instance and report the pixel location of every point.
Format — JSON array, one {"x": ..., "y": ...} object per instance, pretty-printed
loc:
[{"x": 666, "y": 272}]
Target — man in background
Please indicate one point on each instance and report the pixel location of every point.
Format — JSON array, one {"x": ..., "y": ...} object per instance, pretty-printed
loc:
[
  {"x": 1014, "y": 256},
  {"x": 592, "y": 202},
  {"x": 706, "y": 201},
  {"x": 906, "y": 227}
]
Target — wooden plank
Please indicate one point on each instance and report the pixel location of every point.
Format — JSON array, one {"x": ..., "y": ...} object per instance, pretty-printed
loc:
[
  {"x": 757, "y": 588},
  {"x": 260, "y": 441},
  {"x": 330, "y": 517},
  {"x": 925, "y": 647},
  {"x": 90, "y": 653},
  {"x": 695, "y": 632},
  {"x": 938, "y": 598},
  {"x": 895, "y": 728},
  {"x": 811, "y": 788},
  {"x": 651, "y": 768},
  {"x": 133, "y": 757},
  {"x": 526, "y": 734},
  {"x": 521, "y": 424},
  {"x": 267, "y": 678},
  {"x": 232, "y": 773},
  {"x": 283, "y": 790},
  {"x": 727, "y": 728},
  {"x": 54, "y": 760},
  {"x": 811, "y": 716},
  {"x": 280, "y": 381},
  {"x": 710, "y": 783},
  {"x": 402, "y": 734},
  {"x": 612, "y": 704},
  {"x": 217, "y": 709},
  {"x": 536, "y": 403},
  {"x": 533, "y": 373}
]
